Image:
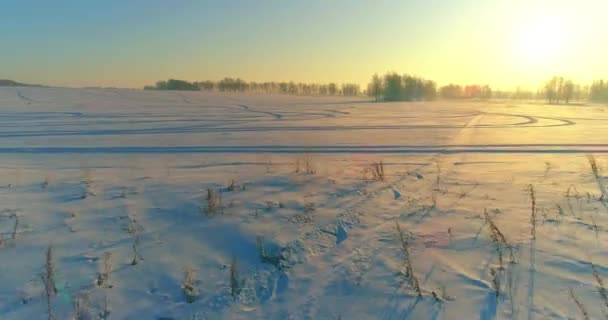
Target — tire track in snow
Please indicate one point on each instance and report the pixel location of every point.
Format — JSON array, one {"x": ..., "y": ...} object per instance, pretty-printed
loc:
[{"x": 275, "y": 115}]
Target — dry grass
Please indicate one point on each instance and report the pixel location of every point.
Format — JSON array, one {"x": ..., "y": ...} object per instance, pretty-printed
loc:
[
  {"x": 268, "y": 165},
  {"x": 305, "y": 164},
  {"x": 103, "y": 277},
  {"x": 579, "y": 304},
  {"x": 377, "y": 171},
  {"x": 533, "y": 209},
  {"x": 597, "y": 174},
  {"x": 595, "y": 228},
  {"x": 548, "y": 168},
  {"x": 438, "y": 177},
  {"x": 135, "y": 229},
  {"x": 594, "y": 167},
  {"x": 189, "y": 285},
  {"x": 408, "y": 273},
  {"x": 82, "y": 306},
  {"x": 235, "y": 280},
  {"x": 495, "y": 273},
  {"x": 15, "y": 227},
  {"x": 601, "y": 289},
  {"x": 231, "y": 186},
  {"x": 499, "y": 239},
  {"x": 89, "y": 185},
  {"x": 105, "y": 307},
  {"x": 214, "y": 202},
  {"x": 136, "y": 255},
  {"x": 48, "y": 280},
  {"x": 12, "y": 235},
  {"x": 45, "y": 183}
]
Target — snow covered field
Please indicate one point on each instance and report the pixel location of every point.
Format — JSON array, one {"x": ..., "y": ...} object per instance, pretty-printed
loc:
[{"x": 302, "y": 229}]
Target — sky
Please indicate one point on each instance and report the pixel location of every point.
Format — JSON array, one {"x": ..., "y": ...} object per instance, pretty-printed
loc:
[{"x": 504, "y": 43}]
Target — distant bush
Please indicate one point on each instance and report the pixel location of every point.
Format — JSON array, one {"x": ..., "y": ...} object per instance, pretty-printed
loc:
[
  {"x": 173, "y": 84},
  {"x": 598, "y": 91},
  {"x": 394, "y": 87}
]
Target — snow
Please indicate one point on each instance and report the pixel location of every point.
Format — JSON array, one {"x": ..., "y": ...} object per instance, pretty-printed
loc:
[{"x": 90, "y": 171}]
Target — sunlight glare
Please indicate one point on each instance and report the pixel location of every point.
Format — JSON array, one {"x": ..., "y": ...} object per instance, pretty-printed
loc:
[{"x": 542, "y": 39}]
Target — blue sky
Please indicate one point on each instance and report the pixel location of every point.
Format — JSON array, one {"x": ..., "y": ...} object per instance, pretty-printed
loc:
[{"x": 131, "y": 43}]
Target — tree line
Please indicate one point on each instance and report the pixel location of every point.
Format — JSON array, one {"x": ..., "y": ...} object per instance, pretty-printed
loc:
[
  {"x": 395, "y": 87},
  {"x": 556, "y": 90},
  {"x": 240, "y": 85}
]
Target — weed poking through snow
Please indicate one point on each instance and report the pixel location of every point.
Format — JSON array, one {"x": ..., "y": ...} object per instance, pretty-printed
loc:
[
  {"x": 103, "y": 277},
  {"x": 377, "y": 170},
  {"x": 82, "y": 306},
  {"x": 48, "y": 280},
  {"x": 533, "y": 211},
  {"x": 214, "y": 202},
  {"x": 136, "y": 255},
  {"x": 578, "y": 303},
  {"x": 134, "y": 229},
  {"x": 499, "y": 239},
  {"x": 305, "y": 164},
  {"x": 601, "y": 289},
  {"x": 408, "y": 273},
  {"x": 89, "y": 187},
  {"x": 189, "y": 285},
  {"x": 495, "y": 273},
  {"x": 236, "y": 284}
]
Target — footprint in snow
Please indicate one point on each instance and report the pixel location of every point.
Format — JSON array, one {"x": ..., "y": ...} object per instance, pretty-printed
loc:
[
  {"x": 341, "y": 234},
  {"x": 396, "y": 194}
]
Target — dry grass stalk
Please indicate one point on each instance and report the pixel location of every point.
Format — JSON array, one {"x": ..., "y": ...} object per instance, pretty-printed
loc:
[
  {"x": 495, "y": 273},
  {"x": 133, "y": 226},
  {"x": 15, "y": 226},
  {"x": 409, "y": 270},
  {"x": 231, "y": 186},
  {"x": 498, "y": 238},
  {"x": 533, "y": 211},
  {"x": 601, "y": 289},
  {"x": 105, "y": 307},
  {"x": 214, "y": 202},
  {"x": 579, "y": 304},
  {"x": 235, "y": 281},
  {"x": 548, "y": 168},
  {"x": 134, "y": 229},
  {"x": 309, "y": 165},
  {"x": 45, "y": 183},
  {"x": 136, "y": 255},
  {"x": 82, "y": 306},
  {"x": 377, "y": 170},
  {"x": 598, "y": 177},
  {"x": 438, "y": 178},
  {"x": 103, "y": 278},
  {"x": 89, "y": 188},
  {"x": 189, "y": 285},
  {"x": 13, "y": 233},
  {"x": 48, "y": 279},
  {"x": 595, "y": 228},
  {"x": 268, "y": 166},
  {"x": 594, "y": 167},
  {"x": 305, "y": 164}
]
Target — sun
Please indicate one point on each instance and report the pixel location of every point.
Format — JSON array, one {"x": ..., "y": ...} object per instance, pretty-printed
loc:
[{"x": 541, "y": 39}]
